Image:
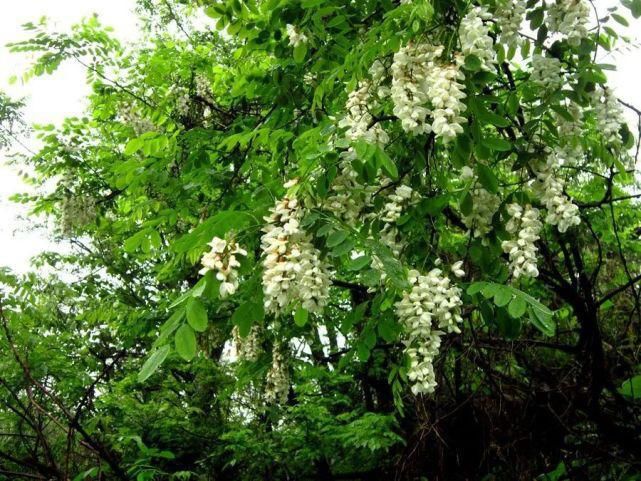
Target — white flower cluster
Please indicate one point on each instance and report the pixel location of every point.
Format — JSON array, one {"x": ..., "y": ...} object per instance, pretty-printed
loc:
[
  {"x": 77, "y": 211},
  {"x": 222, "y": 260},
  {"x": 293, "y": 270},
  {"x": 348, "y": 197},
  {"x": 447, "y": 94},
  {"x": 429, "y": 310},
  {"x": 561, "y": 211},
  {"x": 422, "y": 86},
  {"x": 475, "y": 38},
  {"x": 277, "y": 381},
  {"x": 131, "y": 116},
  {"x": 570, "y": 134},
  {"x": 397, "y": 202},
  {"x": 509, "y": 16},
  {"x": 546, "y": 72},
  {"x": 525, "y": 224},
  {"x": 609, "y": 114},
  {"x": 359, "y": 121},
  {"x": 295, "y": 37},
  {"x": 484, "y": 206},
  {"x": 569, "y": 18},
  {"x": 247, "y": 348}
]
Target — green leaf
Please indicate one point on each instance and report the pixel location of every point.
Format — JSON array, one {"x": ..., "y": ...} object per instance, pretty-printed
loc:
[
  {"x": 153, "y": 362},
  {"x": 246, "y": 315},
  {"x": 620, "y": 19},
  {"x": 632, "y": 387},
  {"x": 487, "y": 178},
  {"x": 336, "y": 238},
  {"x": 502, "y": 297},
  {"x": 196, "y": 315},
  {"x": 473, "y": 63},
  {"x": 358, "y": 263},
  {"x": 517, "y": 307},
  {"x": 134, "y": 145},
  {"x": 300, "y": 51},
  {"x": 496, "y": 143},
  {"x": 386, "y": 163},
  {"x": 186, "y": 342},
  {"x": 301, "y": 316},
  {"x": 635, "y": 8}
]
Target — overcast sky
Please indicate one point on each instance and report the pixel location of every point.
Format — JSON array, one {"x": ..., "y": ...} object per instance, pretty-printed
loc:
[{"x": 51, "y": 98}]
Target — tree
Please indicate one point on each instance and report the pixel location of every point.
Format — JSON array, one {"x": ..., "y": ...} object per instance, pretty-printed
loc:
[{"x": 364, "y": 240}]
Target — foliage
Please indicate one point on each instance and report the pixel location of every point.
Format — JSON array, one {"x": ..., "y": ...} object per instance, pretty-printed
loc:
[{"x": 312, "y": 130}]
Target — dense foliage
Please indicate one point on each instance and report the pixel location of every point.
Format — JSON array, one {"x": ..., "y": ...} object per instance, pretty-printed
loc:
[{"x": 317, "y": 239}]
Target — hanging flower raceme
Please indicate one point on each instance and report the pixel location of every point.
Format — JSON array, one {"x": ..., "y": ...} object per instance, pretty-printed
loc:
[
  {"x": 359, "y": 121},
  {"x": 546, "y": 72},
  {"x": 277, "y": 381},
  {"x": 446, "y": 94},
  {"x": 524, "y": 224},
  {"x": 484, "y": 206},
  {"x": 247, "y": 348},
  {"x": 609, "y": 114},
  {"x": 549, "y": 186},
  {"x": 77, "y": 212},
  {"x": 295, "y": 37},
  {"x": 475, "y": 38},
  {"x": 293, "y": 270},
  {"x": 423, "y": 86},
  {"x": 570, "y": 134},
  {"x": 221, "y": 259},
  {"x": 509, "y": 16},
  {"x": 431, "y": 308},
  {"x": 569, "y": 18},
  {"x": 348, "y": 197}
]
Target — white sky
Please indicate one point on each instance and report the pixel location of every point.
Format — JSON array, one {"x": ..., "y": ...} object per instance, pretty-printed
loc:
[{"x": 51, "y": 98}]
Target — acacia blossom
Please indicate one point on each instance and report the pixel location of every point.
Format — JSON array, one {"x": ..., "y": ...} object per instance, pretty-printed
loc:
[
  {"x": 562, "y": 212},
  {"x": 77, "y": 211},
  {"x": 509, "y": 16},
  {"x": 293, "y": 270},
  {"x": 570, "y": 133},
  {"x": 569, "y": 18},
  {"x": 277, "y": 380},
  {"x": 524, "y": 223},
  {"x": 247, "y": 348},
  {"x": 222, "y": 260},
  {"x": 431, "y": 308},
  {"x": 359, "y": 121},
  {"x": 484, "y": 206},
  {"x": 423, "y": 86},
  {"x": 609, "y": 114},
  {"x": 546, "y": 72},
  {"x": 475, "y": 37},
  {"x": 295, "y": 37}
]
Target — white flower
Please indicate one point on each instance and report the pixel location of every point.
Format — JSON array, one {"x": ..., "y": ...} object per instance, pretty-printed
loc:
[
  {"x": 569, "y": 18},
  {"x": 570, "y": 135},
  {"x": 484, "y": 206},
  {"x": 430, "y": 309},
  {"x": 247, "y": 348},
  {"x": 546, "y": 72},
  {"x": 509, "y": 16},
  {"x": 293, "y": 270},
  {"x": 561, "y": 211},
  {"x": 222, "y": 260},
  {"x": 525, "y": 224},
  {"x": 609, "y": 114},
  {"x": 475, "y": 38},
  {"x": 277, "y": 381},
  {"x": 423, "y": 86},
  {"x": 457, "y": 269},
  {"x": 295, "y": 37},
  {"x": 359, "y": 121}
]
